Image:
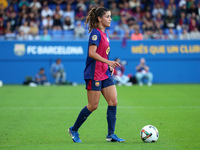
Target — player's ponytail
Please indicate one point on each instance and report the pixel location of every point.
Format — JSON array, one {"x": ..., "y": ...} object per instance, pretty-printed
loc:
[{"x": 92, "y": 18}]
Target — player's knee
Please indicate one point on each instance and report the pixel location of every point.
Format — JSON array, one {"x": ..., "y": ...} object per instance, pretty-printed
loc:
[
  {"x": 92, "y": 107},
  {"x": 113, "y": 102}
]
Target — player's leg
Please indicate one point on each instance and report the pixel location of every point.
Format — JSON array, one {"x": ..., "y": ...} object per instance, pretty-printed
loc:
[
  {"x": 110, "y": 94},
  {"x": 93, "y": 101}
]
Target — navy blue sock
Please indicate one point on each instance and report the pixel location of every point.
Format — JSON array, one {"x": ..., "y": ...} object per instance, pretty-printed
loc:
[
  {"x": 111, "y": 119},
  {"x": 81, "y": 118}
]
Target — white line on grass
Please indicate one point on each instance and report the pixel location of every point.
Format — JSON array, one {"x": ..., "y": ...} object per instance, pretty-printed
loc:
[{"x": 105, "y": 107}]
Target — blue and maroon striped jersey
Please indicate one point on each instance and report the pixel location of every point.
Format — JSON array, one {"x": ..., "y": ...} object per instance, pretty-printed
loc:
[{"x": 94, "y": 69}]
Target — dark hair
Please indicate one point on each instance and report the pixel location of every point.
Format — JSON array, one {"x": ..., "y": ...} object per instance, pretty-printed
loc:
[{"x": 92, "y": 18}]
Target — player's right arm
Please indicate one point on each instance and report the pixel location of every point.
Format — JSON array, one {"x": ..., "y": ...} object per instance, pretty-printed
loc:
[{"x": 92, "y": 54}]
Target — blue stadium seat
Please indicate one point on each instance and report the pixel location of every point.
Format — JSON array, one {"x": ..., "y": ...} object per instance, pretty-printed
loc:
[
  {"x": 57, "y": 32},
  {"x": 166, "y": 31},
  {"x": 68, "y": 32}
]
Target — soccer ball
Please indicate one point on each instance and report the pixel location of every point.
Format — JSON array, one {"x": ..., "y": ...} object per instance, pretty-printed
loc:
[{"x": 149, "y": 134}]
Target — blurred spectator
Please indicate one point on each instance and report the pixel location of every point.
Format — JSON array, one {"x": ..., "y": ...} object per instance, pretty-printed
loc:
[
  {"x": 184, "y": 35},
  {"x": 171, "y": 35},
  {"x": 68, "y": 12},
  {"x": 182, "y": 22},
  {"x": 1, "y": 28},
  {"x": 193, "y": 9},
  {"x": 45, "y": 36},
  {"x": 172, "y": 6},
  {"x": 138, "y": 14},
  {"x": 198, "y": 9},
  {"x": 12, "y": 2},
  {"x": 170, "y": 9},
  {"x": 114, "y": 36},
  {"x": 45, "y": 3},
  {"x": 57, "y": 2},
  {"x": 148, "y": 35},
  {"x": 36, "y": 12},
  {"x": 23, "y": 2},
  {"x": 10, "y": 11},
  {"x": 147, "y": 4},
  {"x": 137, "y": 35},
  {"x": 158, "y": 21},
  {"x": 192, "y": 24},
  {"x": 122, "y": 25},
  {"x": 130, "y": 21},
  {"x": 8, "y": 26},
  {"x": 158, "y": 9},
  {"x": 25, "y": 28},
  {"x": 58, "y": 72},
  {"x": 101, "y": 4},
  {"x": 79, "y": 30},
  {"x": 195, "y": 34},
  {"x": 24, "y": 10},
  {"x": 119, "y": 75},
  {"x": 4, "y": 3},
  {"x": 58, "y": 11},
  {"x": 159, "y": 35},
  {"x": 31, "y": 17},
  {"x": 36, "y": 4},
  {"x": 80, "y": 15},
  {"x": 9, "y": 35},
  {"x": 182, "y": 3},
  {"x": 20, "y": 36},
  {"x": 170, "y": 21},
  {"x": 125, "y": 9},
  {"x": 47, "y": 22},
  {"x": 34, "y": 31},
  {"x": 67, "y": 25},
  {"x": 82, "y": 5},
  {"x": 147, "y": 21},
  {"x": 134, "y": 4},
  {"x": 114, "y": 11},
  {"x": 13, "y": 21},
  {"x": 46, "y": 11},
  {"x": 57, "y": 24},
  {"x": 143, "y": 72},
  {"x": 41, "y": 78}
]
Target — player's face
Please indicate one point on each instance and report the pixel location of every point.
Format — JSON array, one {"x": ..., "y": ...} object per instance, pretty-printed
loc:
[{"x": 106, "y": 19}]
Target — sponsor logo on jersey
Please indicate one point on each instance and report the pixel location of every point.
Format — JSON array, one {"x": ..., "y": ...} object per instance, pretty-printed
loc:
[
  {"x": 94, "y": 37},
  {"x": 108, "y": 50}
]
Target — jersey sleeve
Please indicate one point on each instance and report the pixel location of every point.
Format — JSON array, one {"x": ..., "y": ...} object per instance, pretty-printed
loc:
[{"x": 95, "y": 37}]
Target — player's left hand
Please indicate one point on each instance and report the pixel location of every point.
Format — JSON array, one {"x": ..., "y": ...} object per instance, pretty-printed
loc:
[{"x": 112, "y": 70}]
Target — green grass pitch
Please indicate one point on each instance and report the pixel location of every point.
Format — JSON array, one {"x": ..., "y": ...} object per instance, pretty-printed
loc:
[{"x": 38, "y": 118}]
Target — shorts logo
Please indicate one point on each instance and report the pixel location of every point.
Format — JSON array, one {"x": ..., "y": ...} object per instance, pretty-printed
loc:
[
  {"x": 94, "y": 37},
  {"x": 97, "y": 83},
  {"x": 19, "y": 49},
  {"x": 107, "y": 50}
]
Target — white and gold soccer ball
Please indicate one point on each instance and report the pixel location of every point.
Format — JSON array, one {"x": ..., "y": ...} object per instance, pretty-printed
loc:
[{"x": 149, "y": 134}]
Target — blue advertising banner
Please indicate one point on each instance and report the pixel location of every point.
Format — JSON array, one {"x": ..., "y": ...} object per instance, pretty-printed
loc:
[{"x": 169, "y": 61}]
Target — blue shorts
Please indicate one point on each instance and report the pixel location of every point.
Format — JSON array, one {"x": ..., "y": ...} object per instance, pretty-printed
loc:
[{"x": 98, "y": 85}]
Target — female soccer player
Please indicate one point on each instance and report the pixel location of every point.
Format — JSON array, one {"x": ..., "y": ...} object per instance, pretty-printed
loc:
[{"x": 98, "y": 74}]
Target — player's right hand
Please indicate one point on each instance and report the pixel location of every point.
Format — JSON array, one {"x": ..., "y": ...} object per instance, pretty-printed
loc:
[{"x": 113, "y": 64}]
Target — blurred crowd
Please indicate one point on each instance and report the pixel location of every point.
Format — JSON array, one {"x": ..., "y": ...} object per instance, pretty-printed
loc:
[{"x": 131, "y": 19}]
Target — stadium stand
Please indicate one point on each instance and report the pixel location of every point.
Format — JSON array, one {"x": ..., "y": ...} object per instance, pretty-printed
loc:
[{"x": 150, "y": 16}]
